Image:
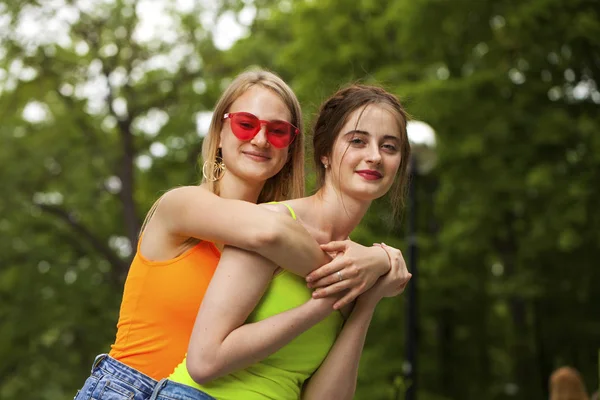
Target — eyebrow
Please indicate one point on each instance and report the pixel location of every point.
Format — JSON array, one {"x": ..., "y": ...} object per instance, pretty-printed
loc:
[{"x": 358, "y": 131}]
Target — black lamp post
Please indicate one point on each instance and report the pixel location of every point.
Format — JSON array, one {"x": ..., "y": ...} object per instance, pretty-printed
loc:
[
  {"x": 410, "y": 365},
  {"x": 422, "y": 139}
]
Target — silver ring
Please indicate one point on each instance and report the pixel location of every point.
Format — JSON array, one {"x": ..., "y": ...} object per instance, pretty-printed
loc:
[{"x": 339, "y": 274}]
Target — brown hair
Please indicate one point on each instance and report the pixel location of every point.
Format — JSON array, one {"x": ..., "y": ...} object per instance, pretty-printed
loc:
[
  {"x": 334, "y": 113},
  {"x": 566, "y": 384},
  {"x": 289, "y": 182}
]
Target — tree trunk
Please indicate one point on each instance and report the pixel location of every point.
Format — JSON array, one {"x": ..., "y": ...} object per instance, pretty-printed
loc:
[{"x": 132, "y": 224}]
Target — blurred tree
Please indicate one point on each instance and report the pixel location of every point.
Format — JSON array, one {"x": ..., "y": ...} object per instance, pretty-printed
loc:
[{"x": 99, "y": 111}]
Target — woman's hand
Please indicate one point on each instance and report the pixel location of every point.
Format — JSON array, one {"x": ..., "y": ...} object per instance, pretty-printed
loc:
[
  {"x": 355, "y": 269},
  {"x": 394, "y": 282}
]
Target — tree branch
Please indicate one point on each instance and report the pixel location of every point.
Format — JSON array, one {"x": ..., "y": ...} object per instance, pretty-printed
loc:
[
  {"x": 82, "y": 231},
  {"x": 180, "y": 81}
]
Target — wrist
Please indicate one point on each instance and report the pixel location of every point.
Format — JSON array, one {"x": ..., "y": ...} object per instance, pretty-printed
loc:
[
  {"x": 386, "y": 259},
  {"x": 367, "y": 300},
  {"x": 365, "y": 304},
  {"x": 320, "y": 307}
]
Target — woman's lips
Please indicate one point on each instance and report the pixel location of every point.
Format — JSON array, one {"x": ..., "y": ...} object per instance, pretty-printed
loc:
[
  {"x": 256, "y": 156},
  {"x": 370, "y": 175}
]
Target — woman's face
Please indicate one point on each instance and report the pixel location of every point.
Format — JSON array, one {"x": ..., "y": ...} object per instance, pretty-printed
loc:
[
  {"x": 366, "y": 154},
  {"x": 254, "y": 160}
]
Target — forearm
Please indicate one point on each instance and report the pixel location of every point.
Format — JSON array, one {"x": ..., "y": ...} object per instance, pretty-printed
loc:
[
  {"x": 292, "y": 247},
  {"x": 193, "y": 211},
  {"x": 336, "y": 377},
  {"x": 253, "y": 342}
]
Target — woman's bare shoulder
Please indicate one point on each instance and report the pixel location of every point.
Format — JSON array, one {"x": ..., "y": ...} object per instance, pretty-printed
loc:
[{"x": 278, "y": 207}]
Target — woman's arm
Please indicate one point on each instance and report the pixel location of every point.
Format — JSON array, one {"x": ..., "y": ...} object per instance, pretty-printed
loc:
[
  {"x": 221, "y": 342},
  {"x": 192, "y": 211},
  {"x": 336, "y": 377}
]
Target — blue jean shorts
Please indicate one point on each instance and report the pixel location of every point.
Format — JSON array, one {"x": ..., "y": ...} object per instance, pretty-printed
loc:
[
  {"x": 113, "y": 380},
  {"x": 169, "y": 390}
]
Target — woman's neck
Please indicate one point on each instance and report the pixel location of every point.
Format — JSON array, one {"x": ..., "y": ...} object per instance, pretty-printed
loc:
[
  {"x": 232, "y": 187},
  {"x": 337, "y": 215}
]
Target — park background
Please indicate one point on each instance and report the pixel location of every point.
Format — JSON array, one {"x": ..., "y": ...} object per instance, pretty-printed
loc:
[{"x": 103, "y": 105}]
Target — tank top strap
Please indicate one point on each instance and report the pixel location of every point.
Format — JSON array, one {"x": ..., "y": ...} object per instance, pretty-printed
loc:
[{"x": 288, "y": 207}]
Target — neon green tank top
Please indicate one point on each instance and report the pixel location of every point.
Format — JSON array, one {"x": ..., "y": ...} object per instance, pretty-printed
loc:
[{"x": 281, "y": 375}]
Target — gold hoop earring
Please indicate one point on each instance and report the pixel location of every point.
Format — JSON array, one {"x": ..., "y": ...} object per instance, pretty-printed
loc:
[{"x": 213, "y": 170}]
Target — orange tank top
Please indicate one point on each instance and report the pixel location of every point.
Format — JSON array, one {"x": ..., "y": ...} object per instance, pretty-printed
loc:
[{"x": 159, "y": 307}]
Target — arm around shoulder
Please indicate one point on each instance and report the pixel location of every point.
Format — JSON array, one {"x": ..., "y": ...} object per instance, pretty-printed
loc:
[
  {"x": 193, "y": 211},
  {"x": 293, "y": 244}
]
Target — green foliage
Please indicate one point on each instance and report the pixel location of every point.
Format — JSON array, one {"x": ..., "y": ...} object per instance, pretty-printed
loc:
[{"x": 508, "y": 229}]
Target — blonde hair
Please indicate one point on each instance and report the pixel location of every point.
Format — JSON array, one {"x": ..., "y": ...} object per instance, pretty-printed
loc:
[
  {"x": 566, "y": 384},
  {"x": 289, "y": 182}
]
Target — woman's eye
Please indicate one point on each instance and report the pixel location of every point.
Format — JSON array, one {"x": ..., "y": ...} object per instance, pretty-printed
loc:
[
  {"x": 356, "y": 141},
  {"x": 389, "y": 147}
]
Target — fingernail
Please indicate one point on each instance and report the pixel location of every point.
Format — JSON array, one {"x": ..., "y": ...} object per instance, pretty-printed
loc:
[
  {"x": 315, "y": 294},
  {"x": 308, "y": 279},
  {"x": 308, "y": 285},
  {"x": 383, "y": 244}
]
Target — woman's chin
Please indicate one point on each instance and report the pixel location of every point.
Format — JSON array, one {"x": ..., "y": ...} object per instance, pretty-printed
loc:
[
  {"x": 367, "y": 194},
  {"x": 258, "y": 177},
  {"x": 260, "y": 172}
]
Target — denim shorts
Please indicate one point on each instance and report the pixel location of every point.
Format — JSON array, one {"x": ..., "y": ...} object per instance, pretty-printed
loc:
[
  {"x": 169, "y": 390},
  {"x": 113, "y": 380}
]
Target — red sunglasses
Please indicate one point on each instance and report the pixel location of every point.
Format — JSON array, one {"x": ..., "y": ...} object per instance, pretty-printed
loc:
[{"x": 245, "y": 126}]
